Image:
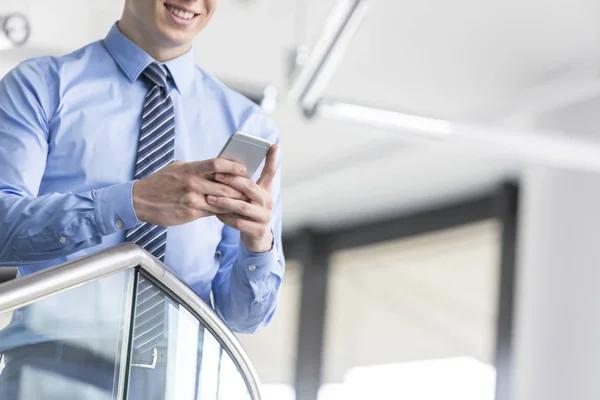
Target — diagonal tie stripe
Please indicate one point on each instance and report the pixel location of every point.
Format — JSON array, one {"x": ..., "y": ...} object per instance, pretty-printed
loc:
[
  {"x": 154, "y": 116},
  {"x": 152, "y": 107},
  {"x": 154, "y": 163},
  {"x": 159, "y": 130},
  {"x": 143, "y": 233},
  {"x": 152, "y": 237},
  {"x": 152, "y": 150},
  {"x": 156, "y": 149}
]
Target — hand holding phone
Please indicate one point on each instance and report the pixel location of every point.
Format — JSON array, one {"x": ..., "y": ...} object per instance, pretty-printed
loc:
[
  {"x": 251, "y": 217},
  {"x": 167, "y": 198},
  {"x": 247, "y": 150}
]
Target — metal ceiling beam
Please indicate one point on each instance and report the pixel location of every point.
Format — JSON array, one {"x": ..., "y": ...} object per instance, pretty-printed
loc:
[{"x": 310, "y": 82}]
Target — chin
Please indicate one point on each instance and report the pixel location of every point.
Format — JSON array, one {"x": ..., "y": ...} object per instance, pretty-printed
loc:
[{"x": 178, "y": 36}]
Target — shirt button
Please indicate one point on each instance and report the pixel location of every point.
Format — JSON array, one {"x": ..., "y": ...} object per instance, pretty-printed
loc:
[
  {"x": 119, "y": 224},
  {"x": 260, "y": 300},
  {"x": 252, "y": 267},
  {"x": 63, "y": 240}
]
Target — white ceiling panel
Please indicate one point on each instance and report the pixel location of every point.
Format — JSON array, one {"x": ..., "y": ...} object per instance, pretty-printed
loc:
[{"x": 450, "y": 58}]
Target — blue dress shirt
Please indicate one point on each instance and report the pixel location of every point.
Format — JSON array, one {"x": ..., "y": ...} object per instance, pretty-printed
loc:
[{"x": 69, "y": 129}]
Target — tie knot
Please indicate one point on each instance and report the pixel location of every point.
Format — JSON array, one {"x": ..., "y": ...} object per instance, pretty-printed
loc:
[{"x": 156, "y": 75}]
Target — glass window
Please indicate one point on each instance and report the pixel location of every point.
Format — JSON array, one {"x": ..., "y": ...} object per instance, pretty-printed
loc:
[
  {"x": 413, "y": 317},
  {"x": 69, "y": 345}
]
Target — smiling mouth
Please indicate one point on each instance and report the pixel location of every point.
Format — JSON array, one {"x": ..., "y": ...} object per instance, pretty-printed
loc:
[{"x": 178, "y": 12}]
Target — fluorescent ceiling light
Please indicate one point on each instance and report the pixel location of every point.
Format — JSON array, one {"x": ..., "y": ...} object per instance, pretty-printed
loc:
[{"x": 435, "y": 128}]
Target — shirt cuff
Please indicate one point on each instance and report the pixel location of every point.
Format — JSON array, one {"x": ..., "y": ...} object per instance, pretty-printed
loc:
[
  {"x": 259, "y": 265},
  {"x": 114, "y": 208}
]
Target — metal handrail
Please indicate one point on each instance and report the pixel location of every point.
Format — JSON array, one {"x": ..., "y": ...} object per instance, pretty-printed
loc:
[{"x": 32, "y": 288}]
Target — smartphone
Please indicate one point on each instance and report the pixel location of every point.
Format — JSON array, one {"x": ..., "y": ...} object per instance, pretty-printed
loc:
[{"x": 247, "y": 150}]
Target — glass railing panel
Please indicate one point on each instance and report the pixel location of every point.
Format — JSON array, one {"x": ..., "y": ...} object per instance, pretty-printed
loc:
[
  {"x": 184, "y": 361},
  {"x": 231, "y": 384},
  {"x": 69, "y": 345}
]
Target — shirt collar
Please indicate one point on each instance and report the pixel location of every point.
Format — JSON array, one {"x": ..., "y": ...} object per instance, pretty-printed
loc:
[
  {"x": 133, "y": 60},
  {"x": 182, "y": 70}
]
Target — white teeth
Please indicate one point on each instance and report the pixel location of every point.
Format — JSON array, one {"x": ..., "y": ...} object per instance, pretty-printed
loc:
[{"x": 181, "y": 13}]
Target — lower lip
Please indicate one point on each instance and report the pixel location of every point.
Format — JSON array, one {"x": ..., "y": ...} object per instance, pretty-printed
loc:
[{"x": 181, "y": 21}]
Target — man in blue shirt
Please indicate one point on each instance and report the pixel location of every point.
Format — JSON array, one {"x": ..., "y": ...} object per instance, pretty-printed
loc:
[{"x": 80, "y": 134}]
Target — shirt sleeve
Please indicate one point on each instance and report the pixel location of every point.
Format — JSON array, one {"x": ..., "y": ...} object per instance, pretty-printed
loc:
[
  {"x": 37, "y": 228},
  {"x": 246, "y": 287}
]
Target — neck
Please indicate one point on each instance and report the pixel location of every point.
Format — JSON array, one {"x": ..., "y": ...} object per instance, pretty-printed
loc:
[{"x": 147, "y": 43}]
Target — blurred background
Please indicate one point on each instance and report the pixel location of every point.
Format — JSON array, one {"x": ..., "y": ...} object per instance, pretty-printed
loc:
[{"x": 439, "y": 183}]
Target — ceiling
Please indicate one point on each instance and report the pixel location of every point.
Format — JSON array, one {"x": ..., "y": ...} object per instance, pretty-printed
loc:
[{"x": 464, "y": 60}]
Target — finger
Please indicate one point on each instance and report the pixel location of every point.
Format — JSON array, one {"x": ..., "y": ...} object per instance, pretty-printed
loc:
[
  {"x": 196, "y": 202},
  {"x": 221, "y": 190},
  {"x": 270, "y": 169},
  {"x": 244, "y": 185},
  {"x": 243, "y": 225},
  {"x": 221, "y": 165},
  {"x": 242, "y": 208},
  {"x": 214, "y": 210}
]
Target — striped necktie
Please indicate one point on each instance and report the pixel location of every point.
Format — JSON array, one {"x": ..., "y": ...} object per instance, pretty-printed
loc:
[{"x": 156, "y": 149}]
